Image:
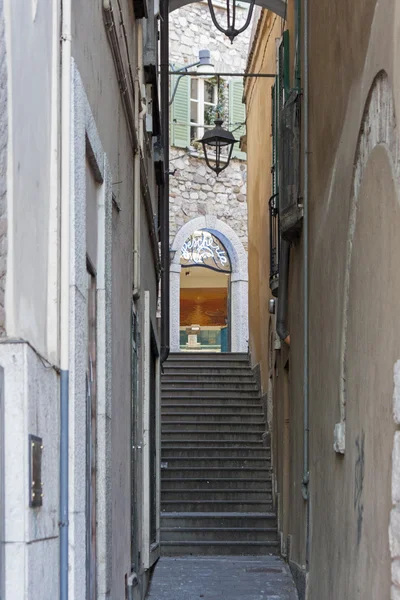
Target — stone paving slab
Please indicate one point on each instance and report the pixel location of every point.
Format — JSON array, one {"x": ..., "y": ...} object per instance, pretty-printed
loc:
[{"x": 222, "y": 578}]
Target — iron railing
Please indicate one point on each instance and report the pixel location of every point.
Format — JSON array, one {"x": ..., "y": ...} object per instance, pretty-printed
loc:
[{"x": 274, "y": 242}]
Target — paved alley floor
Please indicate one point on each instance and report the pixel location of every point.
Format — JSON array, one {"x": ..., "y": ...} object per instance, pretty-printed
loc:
[{"x": 222, "y": 578}]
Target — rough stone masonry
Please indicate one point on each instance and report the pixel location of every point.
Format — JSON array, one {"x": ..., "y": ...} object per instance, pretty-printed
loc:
[{"x": 194, "y": 188}]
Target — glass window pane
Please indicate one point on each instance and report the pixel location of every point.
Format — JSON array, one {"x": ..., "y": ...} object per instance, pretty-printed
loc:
[
  {"x": 209, "y": 92},
  {"x": 204, "y": 249},
  {"x": 193, "y": 134},
  {"x": 209, "y": 114},
  {"x": 193, "y": 112},
  {"x": 194, "y": 93}
]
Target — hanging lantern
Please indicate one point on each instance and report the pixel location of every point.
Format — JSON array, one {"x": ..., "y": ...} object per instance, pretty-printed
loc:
[
  {"x": 230, "y": 31},
  {"x": 214, "y": 141}
]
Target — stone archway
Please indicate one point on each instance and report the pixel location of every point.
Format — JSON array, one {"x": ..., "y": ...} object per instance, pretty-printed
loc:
[{"x": 239, "y": 279}]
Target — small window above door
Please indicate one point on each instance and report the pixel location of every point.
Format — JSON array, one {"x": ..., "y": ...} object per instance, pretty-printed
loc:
[{"x": 204, "y": 249}]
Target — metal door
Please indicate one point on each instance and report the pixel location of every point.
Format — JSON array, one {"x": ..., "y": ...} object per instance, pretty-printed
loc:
[
  {"x": 134, "y": 458},
  {"x": 91, "y": 429}
]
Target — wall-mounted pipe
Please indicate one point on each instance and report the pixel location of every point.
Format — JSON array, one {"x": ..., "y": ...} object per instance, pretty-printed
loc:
[
  {"x": 65, "y": 197},
  {"x": 305, "y": 115},
  {"x": 127, "y": 90},
  {"x": 139, "y": 111},
  {"x": 122, "y": 76},
  {"x": 282, "y": 311},
  {"x": 164, "y": 217}
]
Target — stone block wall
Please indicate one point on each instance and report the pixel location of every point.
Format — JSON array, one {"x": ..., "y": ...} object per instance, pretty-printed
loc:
[{"x": 194, "y": 189}]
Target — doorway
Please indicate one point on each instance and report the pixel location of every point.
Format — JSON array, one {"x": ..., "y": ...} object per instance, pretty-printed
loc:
[
  {"x": 205, "y": 280},
  {"x": 185, "y": 256}
]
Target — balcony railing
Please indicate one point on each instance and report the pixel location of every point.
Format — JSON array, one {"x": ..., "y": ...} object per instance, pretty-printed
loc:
[{"x": 274, "y": 244}]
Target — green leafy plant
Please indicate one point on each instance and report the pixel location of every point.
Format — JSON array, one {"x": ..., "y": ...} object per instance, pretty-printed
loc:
[{"x": 221, "y": 108}]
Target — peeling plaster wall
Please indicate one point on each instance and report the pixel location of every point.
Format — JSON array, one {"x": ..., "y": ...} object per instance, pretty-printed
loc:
[
  {"x": 31, "y": 287},
  {"x": 31, "y": 395},
  {"x": 3, "y": 168},
  {"x": 92, "y": 54},
  {"x": 354, "y": 161}
]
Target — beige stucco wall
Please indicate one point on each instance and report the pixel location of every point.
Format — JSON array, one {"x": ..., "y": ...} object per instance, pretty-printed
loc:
[{"x": 350, "y": 494}]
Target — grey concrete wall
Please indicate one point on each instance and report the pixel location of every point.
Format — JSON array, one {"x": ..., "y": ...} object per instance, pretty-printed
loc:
[
  {"x": 30, "y": 248},
  {"x": 31, "y": 74},
  {"x": 31, "y": 534},
  {"x": 3, "y": 168},
  {"x": 92, "y": 53}
]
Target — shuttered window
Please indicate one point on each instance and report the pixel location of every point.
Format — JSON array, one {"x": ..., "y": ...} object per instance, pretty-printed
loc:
[
  {"x": 280, "y": 92},
  {"x": 180, "y": 113},
  {"x": 185, "y": 111},
  {"x": 237, "y": 114}
]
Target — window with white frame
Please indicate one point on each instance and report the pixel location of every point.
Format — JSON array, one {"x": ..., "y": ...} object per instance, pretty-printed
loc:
[
  {"x": 203, "y": 104},
  {"x": 195, "y": 105}
]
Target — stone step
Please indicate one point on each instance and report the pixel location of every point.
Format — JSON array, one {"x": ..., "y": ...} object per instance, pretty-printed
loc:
[
  {"x": 216, "y": 484},
  {"x": 216, "y": 548},
  {"x": 237, "y": 495},
  {"x": 243, "y": 402},
  {"x": 182, "y": 357},
  {"x": 228, "y": 483},
  {"x": 204, "y": 435},
  {"x": 220, "y": 443},
  {"x": 186, "y": 383},
  {"x": 218, "y": 374},
  {"x": 209, "y": 398},
  {"x": 215, "y": 451},
  {"x": 217, "y": 417},
  {"x": 196, "y": 534},
  {"x": 215, "y": 369},
  {"x": 212, "y": 461},
  {"x": 170, "y": 407},
  {"x": 256, "y": 473},
  {"x": 227, "y": 426},
  {"x": 216, "y": 505},
  {"x": 209, "y": 392},
  {"x": 218, "y": 519}
]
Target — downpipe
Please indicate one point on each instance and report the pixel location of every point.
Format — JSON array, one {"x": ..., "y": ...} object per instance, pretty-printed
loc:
[
  {"x": 164, "y": 217},
  {"x": 66, "y": 91},
  {"x": 140, "y": 111},
  {"x": 306, "y": 467},
  {"x": 282, "y": 311}
]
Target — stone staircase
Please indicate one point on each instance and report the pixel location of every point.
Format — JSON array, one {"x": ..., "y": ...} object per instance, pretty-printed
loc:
[{"x": 216, "y": 477}]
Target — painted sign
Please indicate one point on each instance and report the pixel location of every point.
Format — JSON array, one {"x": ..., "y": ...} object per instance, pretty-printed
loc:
[{"x": 203, "y": 249}]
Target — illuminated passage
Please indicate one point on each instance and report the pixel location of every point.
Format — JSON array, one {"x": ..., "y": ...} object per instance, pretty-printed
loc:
[{"x": 204, "y": 294}]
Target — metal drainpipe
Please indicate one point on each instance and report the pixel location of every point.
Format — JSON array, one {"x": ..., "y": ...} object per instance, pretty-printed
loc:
[
  {"x": 306, "y": 475},
  {"x": 165, "y": 292},
  {"x": 64, "y": 287},
  {"x": 281, "y": 316}
]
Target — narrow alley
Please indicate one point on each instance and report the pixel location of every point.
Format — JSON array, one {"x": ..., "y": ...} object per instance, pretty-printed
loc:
[
  {"x": 222, "y": 578},
  {"x": 219, "y": 535},
  {"x": 199, "y": 300}
]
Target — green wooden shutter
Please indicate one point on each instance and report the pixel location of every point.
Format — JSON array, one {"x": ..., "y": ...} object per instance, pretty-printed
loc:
[
  {"x": 284, "y": 69},
  {"x": 180, "y": 112},
  {"x": 274, "y": 128},
  {"x": 237, "y": 114}
]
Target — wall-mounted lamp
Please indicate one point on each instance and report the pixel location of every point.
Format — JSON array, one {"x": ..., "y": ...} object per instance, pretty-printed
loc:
[
  {"x": 213, "y": 142},
  {"x": 204, "y": 65},
  {"x": 230, "y": 31}
]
